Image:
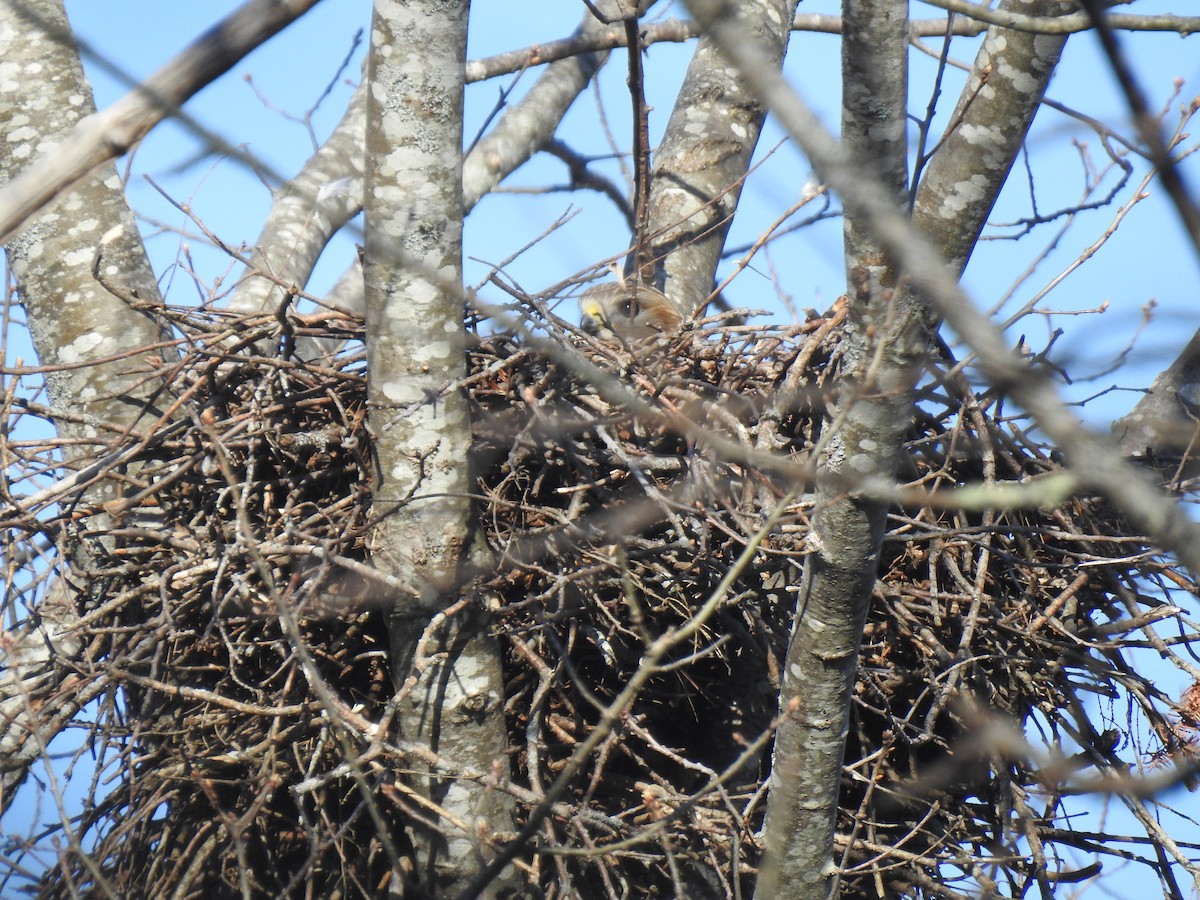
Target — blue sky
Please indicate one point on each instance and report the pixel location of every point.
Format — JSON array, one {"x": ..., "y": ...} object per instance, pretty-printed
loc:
[{"x": 1146, "y": 260}]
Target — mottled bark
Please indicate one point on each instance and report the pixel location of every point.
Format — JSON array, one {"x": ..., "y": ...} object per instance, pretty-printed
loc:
[
  {"x": 305, "y": 214},
  {"x": 989, "y": 123},
  {"x": 105, "y": 136},
  {"x": 704, "y": 156},
  {"x": 882, "y": 346},
  {"x": 87, "y": 324},
  {"x": 420, "y": 421},
  {"x": 1158, "y": 429},
  {"x": 886, "y": 339}
]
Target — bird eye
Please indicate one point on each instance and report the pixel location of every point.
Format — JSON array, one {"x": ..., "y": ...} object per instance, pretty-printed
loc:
[{"x": 626, "y": 308}]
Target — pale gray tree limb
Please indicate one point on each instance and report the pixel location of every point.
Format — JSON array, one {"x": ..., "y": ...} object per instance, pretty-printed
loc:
[
  {"x": 669, "y": 31},
  {"x": 883, "y": 350},
  {"x": 704, "y": 156},
  {"x": 956, "y": 194},
  {"x": 1157, "y": 426},
  {"x": 103, "y": 136},
  {"x": 76, "y": 321},
  {"x": 421, "y": 498},
  {"x": 971, "y": 19},
  {"x": 305, "y": 213},
  {"x": 1071, "y": 23}
]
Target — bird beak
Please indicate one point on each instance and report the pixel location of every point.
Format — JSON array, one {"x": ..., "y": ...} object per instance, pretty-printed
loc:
[{"x": 593, "y": 321}]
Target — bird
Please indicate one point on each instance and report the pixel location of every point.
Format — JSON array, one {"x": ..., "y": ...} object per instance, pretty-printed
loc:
[{"x": 627, "y": 312}]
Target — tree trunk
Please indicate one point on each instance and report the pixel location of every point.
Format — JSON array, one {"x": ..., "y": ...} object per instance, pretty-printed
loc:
[
  {"x": 448, "y": 676},
  {"x": 704, "y": 157},
  {"x": 86, "y": 286}
]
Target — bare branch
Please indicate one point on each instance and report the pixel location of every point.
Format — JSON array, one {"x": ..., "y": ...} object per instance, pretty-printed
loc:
[
  {"x": 1095, "y": 460},
  {"x": 703, "y": 159},
  {"x": 306, "y": 213},
  {"x": 1070, "y": 23},
  {"x": 105, "y": 136}
]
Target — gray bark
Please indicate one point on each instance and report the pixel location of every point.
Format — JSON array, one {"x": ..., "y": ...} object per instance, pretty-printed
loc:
[
  {"x": 87, "y": 325},
  {"x": 421, "y": 425},
  {"x": 1157, "y": 428},
  {"x": 883, "y": 347},
  {"x": 704, "y": 156},
  {"x": 305, "y": 214},
  {"x": 887, "y": 337}
]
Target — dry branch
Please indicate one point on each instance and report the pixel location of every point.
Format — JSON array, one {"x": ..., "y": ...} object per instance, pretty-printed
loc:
[
  {"x": 611, "y": 530},
  {"x": 106, "y": 135}
]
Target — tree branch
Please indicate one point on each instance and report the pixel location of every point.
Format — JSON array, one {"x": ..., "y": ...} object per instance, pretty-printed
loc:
[
  {"x": 1095, "y": 460},
  {"x": 1070, "y": 23},
  {"x": 103, "y": 136},
  {"x": 416, "y": 344},
  {"x": 704, "y": 156},
  {"x": 883, "y": 347}
]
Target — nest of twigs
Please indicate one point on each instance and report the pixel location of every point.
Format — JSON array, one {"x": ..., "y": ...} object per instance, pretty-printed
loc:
[{"x": 609, "y": 518}]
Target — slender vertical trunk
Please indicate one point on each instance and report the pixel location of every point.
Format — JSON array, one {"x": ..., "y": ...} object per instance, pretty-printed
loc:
[{"x": 419, "y": 417}]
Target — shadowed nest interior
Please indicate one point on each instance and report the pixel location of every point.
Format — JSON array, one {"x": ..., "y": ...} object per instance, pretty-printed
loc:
[{"x": 614, "y": 499}]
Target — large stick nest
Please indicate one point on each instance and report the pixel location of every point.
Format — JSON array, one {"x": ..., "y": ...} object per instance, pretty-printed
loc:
[{"x": 227, "y": 600}]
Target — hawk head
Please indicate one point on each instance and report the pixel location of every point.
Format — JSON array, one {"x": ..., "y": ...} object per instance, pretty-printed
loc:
[{"x": 626, "y": 313}]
